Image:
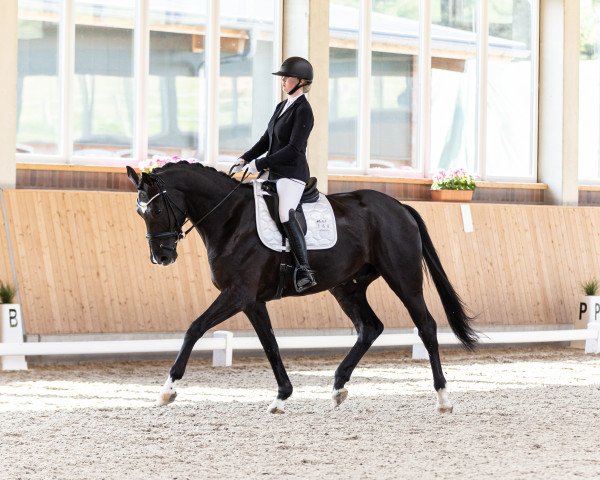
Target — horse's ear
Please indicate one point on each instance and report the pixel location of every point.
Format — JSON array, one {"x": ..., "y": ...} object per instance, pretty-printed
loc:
[{"x": 133, "y": 176}]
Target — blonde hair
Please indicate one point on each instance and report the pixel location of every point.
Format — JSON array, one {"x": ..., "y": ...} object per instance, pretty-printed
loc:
[{"x": 306, "y": 87}]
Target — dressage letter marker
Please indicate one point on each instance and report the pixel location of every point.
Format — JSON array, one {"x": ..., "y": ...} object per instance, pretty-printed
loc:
[{"x": 12, "y": 332}]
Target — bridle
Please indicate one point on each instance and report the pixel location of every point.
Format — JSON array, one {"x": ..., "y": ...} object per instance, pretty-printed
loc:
[{"x": 176, "y": 229}]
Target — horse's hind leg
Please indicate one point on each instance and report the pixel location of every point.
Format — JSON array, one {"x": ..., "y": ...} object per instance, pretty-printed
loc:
[
  {"x": 226, "y": 305},
  {"x": 352, "y": 297},
  {"x": 259, "y": 317},
  {"x": 415, "y": 304}
]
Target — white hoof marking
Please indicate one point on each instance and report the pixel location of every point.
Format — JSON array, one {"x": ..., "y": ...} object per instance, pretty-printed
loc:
[
  {"x": 443, "y": 403},
  {"x": 168, "y": 393},
  {"x": 278, "y": 406},
  {"x": 338, "y": 396}
]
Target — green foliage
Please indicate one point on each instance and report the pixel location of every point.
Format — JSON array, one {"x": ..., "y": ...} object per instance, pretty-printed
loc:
[
  {"x": 590, "y": 287},
  {"x": 7, "y": 292}
]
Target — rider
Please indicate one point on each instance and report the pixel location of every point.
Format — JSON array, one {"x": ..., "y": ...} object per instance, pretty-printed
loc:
[{"x": 285, "y": 142}]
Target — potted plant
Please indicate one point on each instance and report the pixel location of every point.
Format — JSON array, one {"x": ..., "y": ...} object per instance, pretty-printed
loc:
[
  {"x": 589, "y": 307},
  {"x": 455, "y": 185}
]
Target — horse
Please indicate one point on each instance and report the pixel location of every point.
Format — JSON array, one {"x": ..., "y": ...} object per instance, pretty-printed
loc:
[{"x": 377, "y": 236}]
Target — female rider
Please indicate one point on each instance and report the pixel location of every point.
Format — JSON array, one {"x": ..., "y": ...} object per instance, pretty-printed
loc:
[{"x": 285, "y": 142}]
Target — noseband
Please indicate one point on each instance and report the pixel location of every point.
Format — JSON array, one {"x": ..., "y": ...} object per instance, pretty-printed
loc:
[{"x": 174, "y": 227}]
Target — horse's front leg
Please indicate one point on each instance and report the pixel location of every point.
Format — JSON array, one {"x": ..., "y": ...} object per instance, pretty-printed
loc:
[
  {"x": 227, "y": 304},
  {"x": 259, "y": 317}
]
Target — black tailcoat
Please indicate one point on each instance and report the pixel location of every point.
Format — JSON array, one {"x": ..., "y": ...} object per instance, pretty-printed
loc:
[{"x": 285, "y": 142}]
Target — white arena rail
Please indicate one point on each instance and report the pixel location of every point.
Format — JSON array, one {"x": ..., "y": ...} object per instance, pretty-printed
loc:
[{"x": 223, "y": 343}]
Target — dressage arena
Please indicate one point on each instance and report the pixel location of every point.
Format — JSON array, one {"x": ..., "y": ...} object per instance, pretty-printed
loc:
[
  {"x": 519, "y": 414},
  {"x": 124, "y": 241}
]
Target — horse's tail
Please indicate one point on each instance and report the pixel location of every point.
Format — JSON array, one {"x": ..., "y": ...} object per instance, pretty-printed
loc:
[{"x": 453, "y": 306}]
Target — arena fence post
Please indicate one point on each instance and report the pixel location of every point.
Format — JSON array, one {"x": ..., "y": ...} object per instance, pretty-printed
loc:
[
  {"x": 419, "y": 352},
  {"x": 592, "y": 345},
  {"x": 223, "y": 357}
]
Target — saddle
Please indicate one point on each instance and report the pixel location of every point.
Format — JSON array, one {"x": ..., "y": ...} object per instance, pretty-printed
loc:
[
  {"x": 310, "y": 195},
  {"x": 317, "y": 221}
]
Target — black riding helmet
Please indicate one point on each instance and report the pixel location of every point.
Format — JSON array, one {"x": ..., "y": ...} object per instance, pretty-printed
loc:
[{"x": 296, "y": 67}]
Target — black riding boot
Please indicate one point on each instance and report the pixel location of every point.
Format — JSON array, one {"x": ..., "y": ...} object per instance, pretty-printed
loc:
[{"x": 303, "y": 276}]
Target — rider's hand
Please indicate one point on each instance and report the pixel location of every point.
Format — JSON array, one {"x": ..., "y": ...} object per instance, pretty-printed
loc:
[
  {"x": 238, "y": 166},
  {"x": 252, "y": 167}
]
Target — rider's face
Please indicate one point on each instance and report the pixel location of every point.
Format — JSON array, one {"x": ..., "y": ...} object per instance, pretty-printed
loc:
[{"x": 288, "y": 83}]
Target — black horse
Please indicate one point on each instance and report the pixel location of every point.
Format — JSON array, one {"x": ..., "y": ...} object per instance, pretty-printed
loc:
[{"x": 376, "y": 236}]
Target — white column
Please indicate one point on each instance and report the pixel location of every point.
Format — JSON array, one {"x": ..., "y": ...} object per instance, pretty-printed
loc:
[
  {"x": 8, "y": 94},
  {"x": 66, "y": 61},
  {"x": 318, "y": 53},
  {"x": 364, "y": 72},
  {"x": 424, "y": 144},
  {"x": 482, "y": 82},
  {"x": 141, "y": 72},
  {"x": 559, "y": 100},
  {"x": 306, "y": 34},
  {"x": 213, "y": 65}
]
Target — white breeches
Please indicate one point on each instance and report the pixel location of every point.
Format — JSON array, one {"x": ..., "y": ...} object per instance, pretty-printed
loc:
[{"x": 290, "y": 192}]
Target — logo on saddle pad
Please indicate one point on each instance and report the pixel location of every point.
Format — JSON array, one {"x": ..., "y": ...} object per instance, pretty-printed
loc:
[{"x": 321, "y": 231}]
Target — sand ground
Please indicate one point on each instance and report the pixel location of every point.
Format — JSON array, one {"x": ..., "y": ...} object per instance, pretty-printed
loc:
[{"x": 519, "y": 414}]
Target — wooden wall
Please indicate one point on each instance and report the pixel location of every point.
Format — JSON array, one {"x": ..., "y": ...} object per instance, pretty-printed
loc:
[
  {"x": 83, "y": 267},
  {"x": 5, "y": 269}
]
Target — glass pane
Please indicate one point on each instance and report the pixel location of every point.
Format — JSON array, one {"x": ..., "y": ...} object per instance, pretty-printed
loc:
[
  {"x": 453, "y": 85},
  {"x": 176, "y": 100},
  {"x": 343, "y": 82},
  {"x": 245, "y": 85},
  {"x": 589, "y": 92},
  {"x": 510, "y": 96},
  {"x": 103, "y": 84},
  {"x": 394, "y": 92},
  {"x": 38, "y": 92}
]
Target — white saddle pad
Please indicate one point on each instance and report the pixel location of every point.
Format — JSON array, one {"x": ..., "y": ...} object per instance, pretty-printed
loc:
[{"x": 321, "y": 234}]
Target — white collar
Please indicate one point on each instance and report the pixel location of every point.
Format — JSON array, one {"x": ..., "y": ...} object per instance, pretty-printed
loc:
[{"x": 291, "y": 100}]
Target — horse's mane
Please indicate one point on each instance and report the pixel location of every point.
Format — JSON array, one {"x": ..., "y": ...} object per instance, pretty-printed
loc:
[{"x": 184, "y": 164}]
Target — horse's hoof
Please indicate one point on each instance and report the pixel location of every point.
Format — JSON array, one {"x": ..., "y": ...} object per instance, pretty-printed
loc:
[
  {"x": 443, "y": 402},
  {"x": 277, "y": 407},
  {"x": 167, "y": 397},
  {"x": 338, "y": 396}
]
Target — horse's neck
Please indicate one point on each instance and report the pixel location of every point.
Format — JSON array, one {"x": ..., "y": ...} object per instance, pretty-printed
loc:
[{"x": 212, "y": 201}]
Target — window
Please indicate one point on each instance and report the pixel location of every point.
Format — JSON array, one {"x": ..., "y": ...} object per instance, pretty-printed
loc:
[
  {"x": 482, "y": 101},
  {"x": 589, "y": 93},
  {"x": 343, "y": 83},
  {"x": 79, "y": 94},
  {"x": 394, "y": 84},
  {"x": 38, "y": 88},
  {"x": 510, "y": 92},
  {"x": 102, "y": 86},
  {"x": 246, "y": 84},
  {"x": 453, "y": 85}
]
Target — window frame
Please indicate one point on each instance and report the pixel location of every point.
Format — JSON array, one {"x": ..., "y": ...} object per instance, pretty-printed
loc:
[
  {"x": 422, "y": 168},
  {"x": 209, "y": 136}
]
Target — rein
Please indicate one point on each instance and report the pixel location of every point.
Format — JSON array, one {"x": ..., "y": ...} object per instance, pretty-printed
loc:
[
  {"x": 244, "y": 176},
  {"x": 177, "y": 231}
]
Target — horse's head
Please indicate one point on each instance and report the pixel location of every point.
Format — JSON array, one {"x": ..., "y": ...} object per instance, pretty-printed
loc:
[{"x": 163, "y": 210}]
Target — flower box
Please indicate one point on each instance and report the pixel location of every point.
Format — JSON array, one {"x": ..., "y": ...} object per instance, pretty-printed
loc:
[{"x": 451, "y": 195}]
